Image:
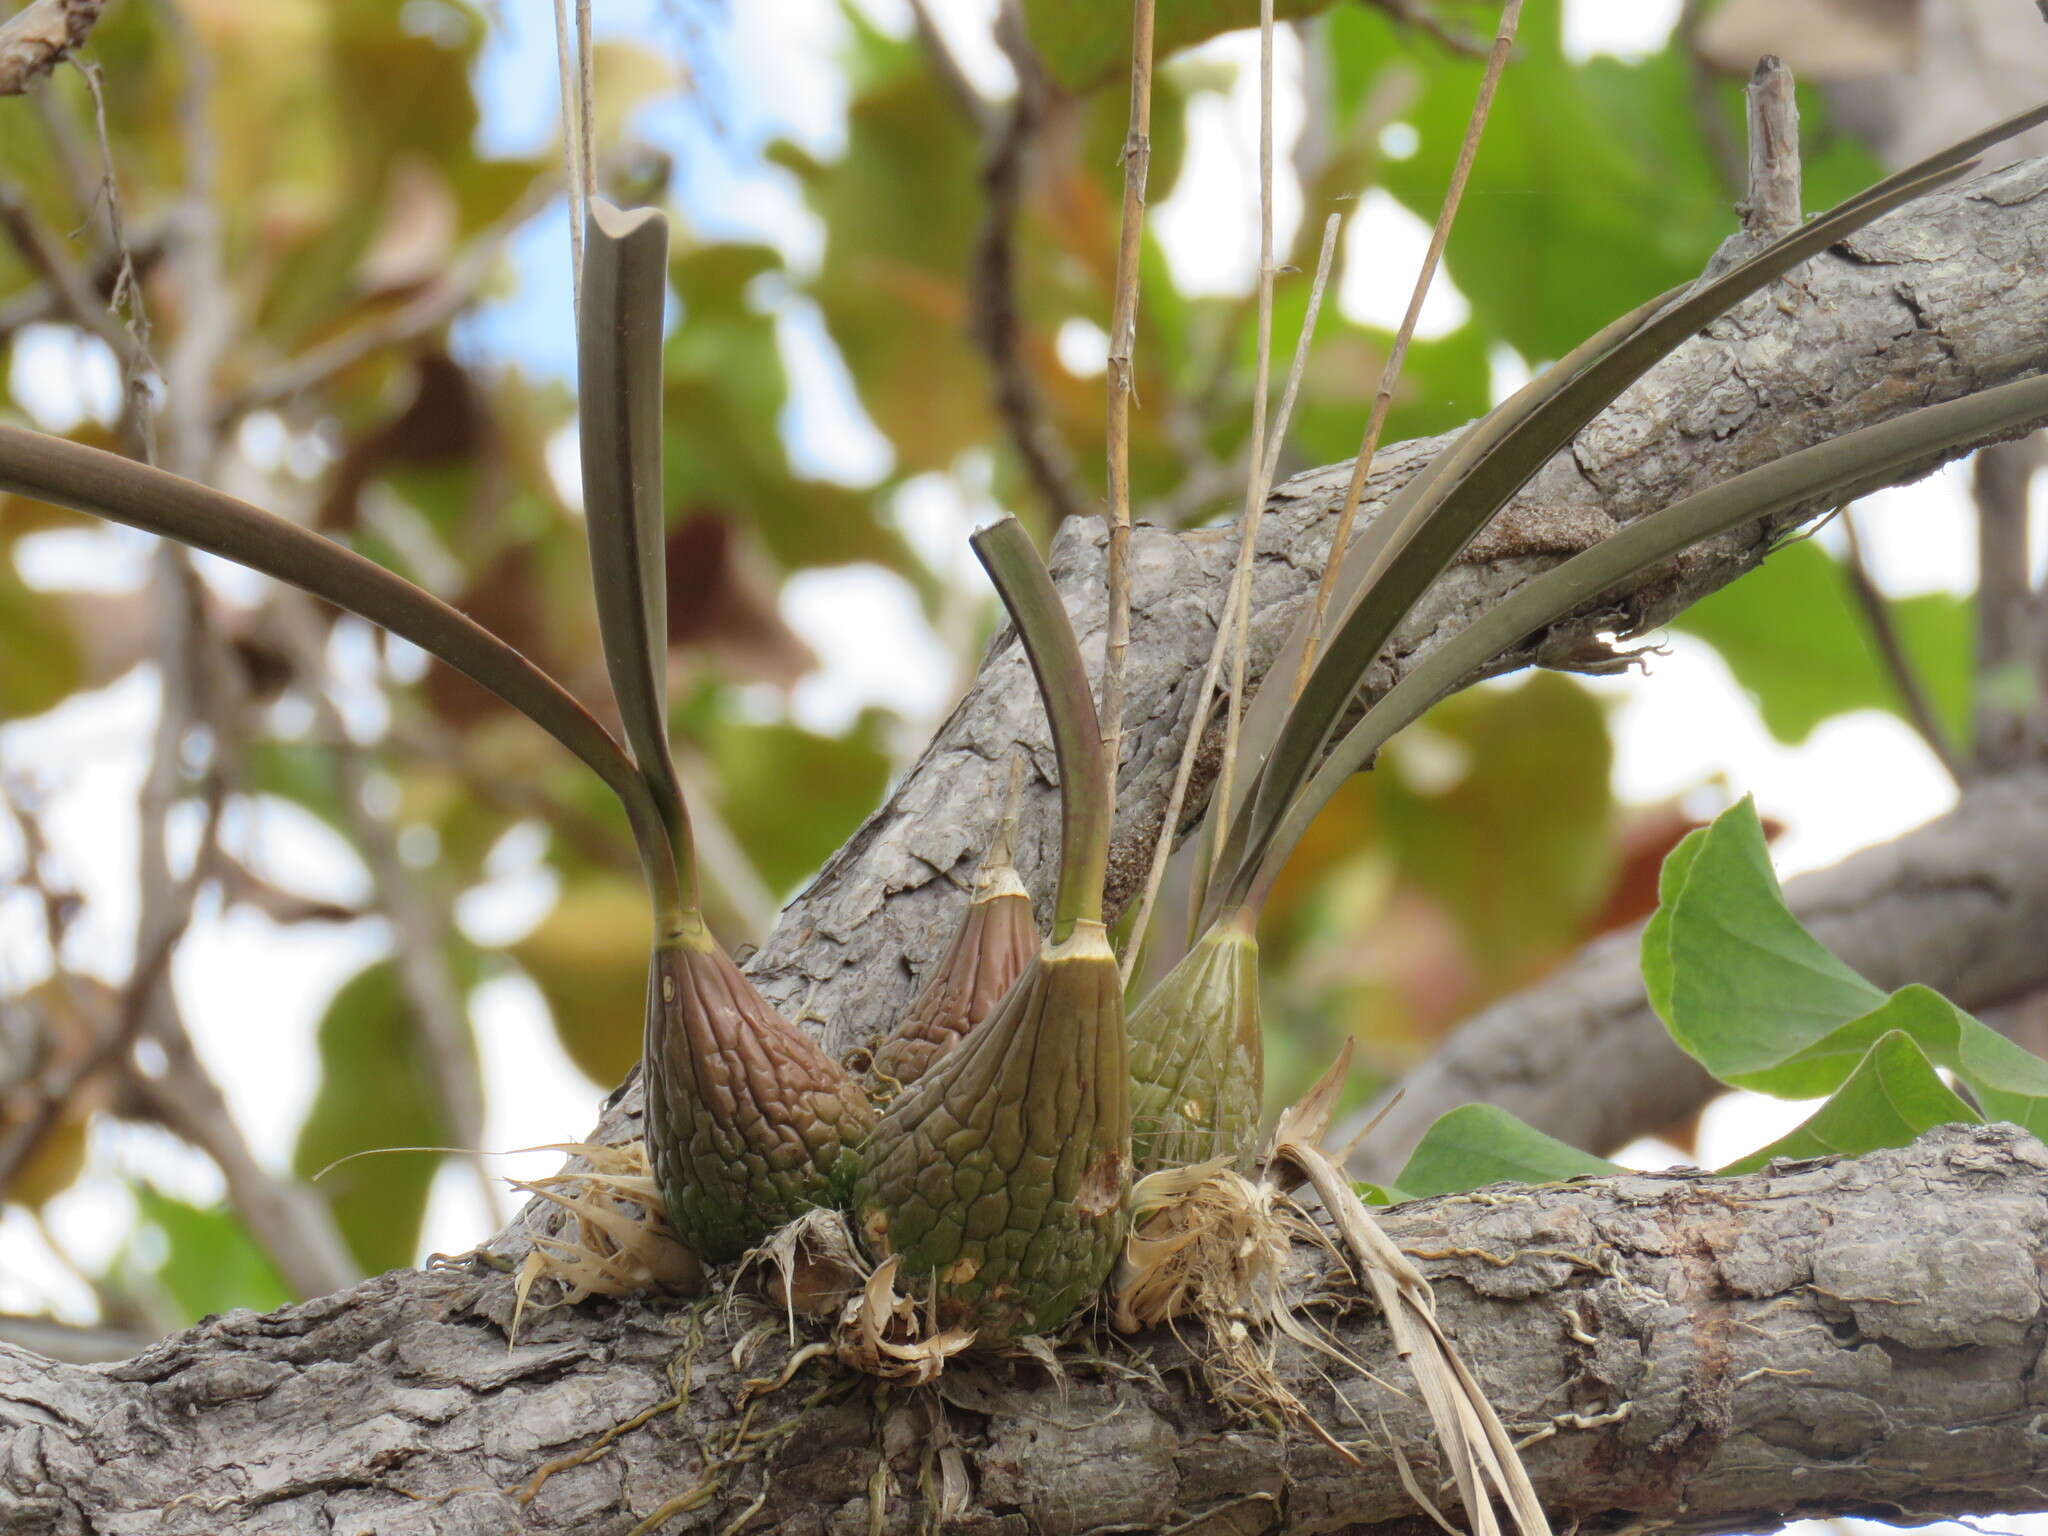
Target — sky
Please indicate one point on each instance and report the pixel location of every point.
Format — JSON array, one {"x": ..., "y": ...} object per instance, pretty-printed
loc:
[{"x": 253, "y": 991}]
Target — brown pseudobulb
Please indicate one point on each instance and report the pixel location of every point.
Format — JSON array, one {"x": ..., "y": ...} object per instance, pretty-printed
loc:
[
  {"x": 995, "y": 941},
  {"x": 748, "y": 1123}
]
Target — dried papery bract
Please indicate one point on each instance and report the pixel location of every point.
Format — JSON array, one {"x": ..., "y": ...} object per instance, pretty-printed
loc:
[
  {"x": 998, "y": 1179},
  {"x": 748, "y": 1123},
  {"x": 1197, "y": 1054},
  {"x": 995, "y": 941},
  {"x": 617, "y": 1241}
]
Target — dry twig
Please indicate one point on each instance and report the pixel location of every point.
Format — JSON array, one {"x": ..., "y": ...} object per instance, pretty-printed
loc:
[
  {"x": 1383, "y": 399},
  {"x": 1123, "y": 330}
]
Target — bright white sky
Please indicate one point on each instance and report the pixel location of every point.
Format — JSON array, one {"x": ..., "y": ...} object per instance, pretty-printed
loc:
[{"x": 253, "y": 992}]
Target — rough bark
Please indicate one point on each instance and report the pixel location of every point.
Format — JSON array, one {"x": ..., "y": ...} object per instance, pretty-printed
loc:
[
  {"x": 1959, "y": 905},
  {"x": 1698, "y": 1354}
]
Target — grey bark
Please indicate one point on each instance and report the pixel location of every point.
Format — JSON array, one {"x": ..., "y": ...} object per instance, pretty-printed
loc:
[
  {"x": 1959, "y": 905},
  {"x": 1683, "y": 1353},
  {"x": 1858, "y": 1336}
]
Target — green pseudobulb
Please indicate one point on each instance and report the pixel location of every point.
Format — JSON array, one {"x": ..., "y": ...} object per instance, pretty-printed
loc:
[
  {"x": 999, "y": 1178},
  {"x": 1197, "y": 1060}
]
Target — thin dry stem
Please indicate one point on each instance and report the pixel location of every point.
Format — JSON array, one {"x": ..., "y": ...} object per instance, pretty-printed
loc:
[
  {"x": 1254, "y": 491},
  {"x": 1468, "y": 151},
  {"x": 1877, "y": 613},
  {"x": 572, "y": 153},
  {"x": 1123, "y": 330},
  {"x": 1236, "y": 611}
]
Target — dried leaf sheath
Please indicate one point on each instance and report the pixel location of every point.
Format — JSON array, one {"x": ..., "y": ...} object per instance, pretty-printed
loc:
[
  {"x": 1005, "y": 1178},
  {"x": 1197, "y": 1057},
  {"x": 995, "y": 941},
  {"x": 748, "y": 1123}
]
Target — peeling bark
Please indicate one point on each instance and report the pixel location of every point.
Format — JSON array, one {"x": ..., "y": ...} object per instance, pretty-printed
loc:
[{"x": 1704, "y": 1354}]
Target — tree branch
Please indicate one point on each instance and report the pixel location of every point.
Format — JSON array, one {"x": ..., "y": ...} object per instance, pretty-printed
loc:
[
  {"x": 36, "y": 38},
  {"x": 1689, "y": 1354}
]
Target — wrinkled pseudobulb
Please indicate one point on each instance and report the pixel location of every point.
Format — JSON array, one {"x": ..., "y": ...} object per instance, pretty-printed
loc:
[
  {"x": 999, "y": 1178},
  {"x": 748, "y": 1123},
  {"x": 995, "y": 941},
  {"x": 1197, "y": 1059}
]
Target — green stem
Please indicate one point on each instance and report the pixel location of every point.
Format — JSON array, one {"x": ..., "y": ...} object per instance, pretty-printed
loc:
[
  {"x": 618, "y": 330},
  {"x": 1087, "y": 798},
  {"x": 105, "y": 485}
]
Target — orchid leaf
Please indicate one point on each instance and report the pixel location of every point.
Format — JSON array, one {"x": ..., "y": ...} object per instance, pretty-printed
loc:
[
  {"x": 1836, "y": 469},
  {"x": 618, "y": 326},
  {"x": 1087, "y": 785}
]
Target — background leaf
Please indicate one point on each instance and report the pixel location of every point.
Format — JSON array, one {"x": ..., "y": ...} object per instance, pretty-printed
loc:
[
  {"x": 376, "y": 1090},
  {"x": 207, "y": 1263},
  {"x": 1483, "y": 1144},
  {"x": 1793, "y": 638},
  {"x": 1893, "y": 1095}
]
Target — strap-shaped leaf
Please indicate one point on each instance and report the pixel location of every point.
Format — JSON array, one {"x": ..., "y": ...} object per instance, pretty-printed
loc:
[
  {"x": 1839, "y": 470},
  {"x": 1269, "y": 707},
  {"x": 67, "y": 474},
  {"x": 1087, "y": 802},
  {"x": 1502, "y": 452},
  {"x": 618, "y": 332}
]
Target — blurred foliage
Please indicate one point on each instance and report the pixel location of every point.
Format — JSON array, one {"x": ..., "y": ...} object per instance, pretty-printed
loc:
[
  {"x": 353, "y": 191},
  {"x": 196, "y": 1260},
  {"x": 1793, "y": 636},
  {"x": 376, "y": 1091}
]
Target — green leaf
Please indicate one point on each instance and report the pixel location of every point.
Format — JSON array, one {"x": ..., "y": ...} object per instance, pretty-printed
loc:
[
  {"x": 1805, "y": 654},
  {"x": 1593, "y": 186},
  {"x": 1481, "y": 1144},
  {"x": 1742, "y": 985},
  {"x": 588, "y": 957},
  {"x": 1087, "y": 43},
  {"x": 45, "y": 664},
  {"x": 209, "y": 1262},
  {"x": 1750, "y": 994},
  {"x": 2011, "y": 1083},
  {"x": 376, "y": 1090},
  {"x": 1892, "y": 1097},
  {"x": 792, "y": 796}
]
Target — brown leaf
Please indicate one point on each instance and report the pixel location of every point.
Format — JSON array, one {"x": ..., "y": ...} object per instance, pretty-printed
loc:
[
  {"x": 444, "y": 422},
  {"x": 720, "y": 600}
]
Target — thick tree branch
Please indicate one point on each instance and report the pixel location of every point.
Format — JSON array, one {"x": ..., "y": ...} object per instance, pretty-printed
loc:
[
  {"x": 1958, "y": 905},
  {"x": 1693, "y": 1355}
]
